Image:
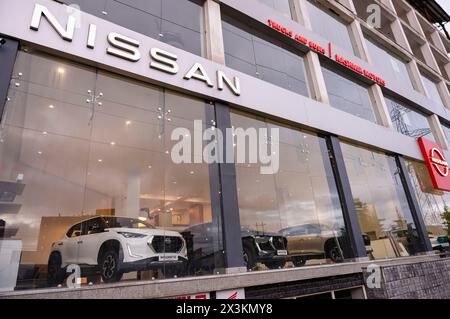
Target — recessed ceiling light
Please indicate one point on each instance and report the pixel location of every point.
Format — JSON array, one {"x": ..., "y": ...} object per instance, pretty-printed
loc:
[
  {"x": 112, "y": 143},
  {"x": 61, "y": 70},
  {"x": 39, "y": 152},
  {"x": 128, "y": 122},
  {"x": 149, "y": 166},
  {"x": 45, "y": 133},
  {"x": 100, "y": 160},
  {"x": 51, "y": 106},
  {"x": 191, "y": 172}
]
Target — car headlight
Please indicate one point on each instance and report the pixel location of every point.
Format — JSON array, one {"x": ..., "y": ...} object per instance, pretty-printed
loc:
[{"x": 132, "y": 235}]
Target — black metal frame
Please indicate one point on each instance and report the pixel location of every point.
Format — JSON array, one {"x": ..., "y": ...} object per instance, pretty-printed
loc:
[
  {"x": 414, "y": 206},
  {"x": 353, "y": 228},
  {"x": 8, "y": 54}
]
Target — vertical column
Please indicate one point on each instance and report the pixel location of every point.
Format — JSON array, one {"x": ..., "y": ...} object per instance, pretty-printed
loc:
[
  {"x": 437, "y": 41},
  {"x": 380, "y": 107},
  {"x": 430, "y": 60},
  {"x": 358, "y": 41},
  {"x": 132, "y": 202},
  {"x": 399, "y": 35},
  {"x": 315, "y": 78},
  {"x": 416, "y": 78},
  {"x": 422, "y": 233},
  {"x": 444, "y": 93},
  {"x": 231, "y": 225},
  {"x": 346, "y": 196},
  {"x": 414, "y": 22},
  {"x": 438, "y": 132},
  {"x": 213, "y": 32},
  {"x": 8, "y": 52},
  {"x": 299, "y": 12}
]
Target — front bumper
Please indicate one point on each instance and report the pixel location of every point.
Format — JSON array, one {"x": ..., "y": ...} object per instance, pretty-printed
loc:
[{"x": 153, "y": 263}]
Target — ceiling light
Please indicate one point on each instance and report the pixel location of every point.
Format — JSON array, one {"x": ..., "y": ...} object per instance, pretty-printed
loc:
[
  {"x": 51, "y": 106},
  {"x": 128, "y": 122},
  {"x": 100, "y": 160},
  {"x": 149, "y": 166},
  {"x": 112, "y": 143},
  {"x": 61, "y": 70},
  {"x": 191, "y": 172},
  {"x": 39, "y": 152},
  {"x": 45, "y": 133}
]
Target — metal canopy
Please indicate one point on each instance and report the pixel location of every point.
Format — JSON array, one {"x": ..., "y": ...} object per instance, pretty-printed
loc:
[{"x": 432, "y": 11}]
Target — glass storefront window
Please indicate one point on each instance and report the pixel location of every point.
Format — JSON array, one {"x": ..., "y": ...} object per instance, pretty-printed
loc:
[
  {"x": 299, "y": 204},
  {"x": 175, "y": 22},
  {"x": 408, "y": 121},
  {"x": 328, "y": 25},
  {"x": 281, "y": 6},
  {"x": 432, "y": 90},
  {"x": 348, "y": 96},
  {"x": 433, "y": 204},
  {"x": 85, "y": 148},
  {"x": 254, "y": 54},
  {"x": 381, "y": 203},
  {"x": 389, "y": 65}
]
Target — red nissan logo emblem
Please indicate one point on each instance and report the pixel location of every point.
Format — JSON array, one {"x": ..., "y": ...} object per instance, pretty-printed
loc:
[{"x": 439, "y": 162}]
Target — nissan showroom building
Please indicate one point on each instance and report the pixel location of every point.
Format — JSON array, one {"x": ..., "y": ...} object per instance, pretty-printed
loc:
[{"x": 203, "y": 149}]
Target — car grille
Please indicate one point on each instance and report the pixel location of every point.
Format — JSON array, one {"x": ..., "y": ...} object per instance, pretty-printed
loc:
[
  {"x": 166, "y": 244},
  {"x": 272, "y": 243}
]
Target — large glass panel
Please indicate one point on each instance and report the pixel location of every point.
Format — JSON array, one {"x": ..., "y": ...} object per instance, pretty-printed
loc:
[
  {"x": 434, "y": 205},
  {"x": 176, "y": 22},
  {"x": 348, "y": 96},
  {"x": 381, "y": 203},
  {"x": 391, "y": 66},
  {"x": 299, "y": 203},
  {"x": 408, "y": 121},
  {"x": 254, "y": 54},
  {"x": 92, "y": 149},
  {"x": 432, "y": 90},
  {"x": 328, "y": 25},
  {"x": 281, "y": 6}
]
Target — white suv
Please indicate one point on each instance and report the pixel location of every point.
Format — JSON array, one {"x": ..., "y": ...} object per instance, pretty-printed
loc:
[{"x": 111, "y": 246}]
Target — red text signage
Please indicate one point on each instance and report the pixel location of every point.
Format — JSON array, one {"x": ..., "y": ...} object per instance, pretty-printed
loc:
[
  {"x": 321, "y": 50},
  {"x": 436, "y": 163}
]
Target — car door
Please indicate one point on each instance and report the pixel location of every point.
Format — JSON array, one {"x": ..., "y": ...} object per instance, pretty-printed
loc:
[
  {"x": 69, "y": 247},
  {"x": 93, "y": 231}
]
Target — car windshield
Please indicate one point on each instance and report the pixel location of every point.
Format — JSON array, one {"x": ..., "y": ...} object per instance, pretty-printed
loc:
[{"x": 123, "y": 222}]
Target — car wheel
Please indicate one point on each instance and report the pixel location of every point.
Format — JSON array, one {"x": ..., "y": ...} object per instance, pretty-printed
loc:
[
  {"x": 249, "y": 256},
  {"x": 110, "y": 267},
  {"x": 55, "y": 274},
  {"x": 334, "y": 253},
  {"x": 299, "y": 262},
  {"x": 275, "y": 264}
]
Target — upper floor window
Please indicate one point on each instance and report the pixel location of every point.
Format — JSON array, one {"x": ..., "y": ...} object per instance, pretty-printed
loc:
[
  {"x": 175, "y": 22},
  {"x": 251, "y": 52},
  {"x": 392, "y": 67},
  {"x": 328, "y": 25},
  {"x": 408, "y": 121},
  {"x": 348, "y": 96},
  {"x": 432, "y": 90},
  {"x": 282, "y": 6}
]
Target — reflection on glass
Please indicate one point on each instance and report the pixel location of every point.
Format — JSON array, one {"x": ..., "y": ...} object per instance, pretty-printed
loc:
[
  {"x": 300, "y": 202},
  {"x": 381, "y": 203},
  {"x": 257, "y": 55},
  {"x": 432, "y": 90},
  {"x": 408, "y": 121},
  {"x": 389, "y": 64},
  {"x": 328, "y": 25},
  {"x": 348, "y": 96},
  {"x": 175, "y": 22},
  {"x": 433, "y": 206},
  {"x": 281, "y": 6},
  {"x": 86, "y": 178}
]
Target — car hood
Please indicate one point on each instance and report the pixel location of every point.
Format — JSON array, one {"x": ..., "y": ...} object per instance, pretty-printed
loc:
[{"x": 146, "y": 231}]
